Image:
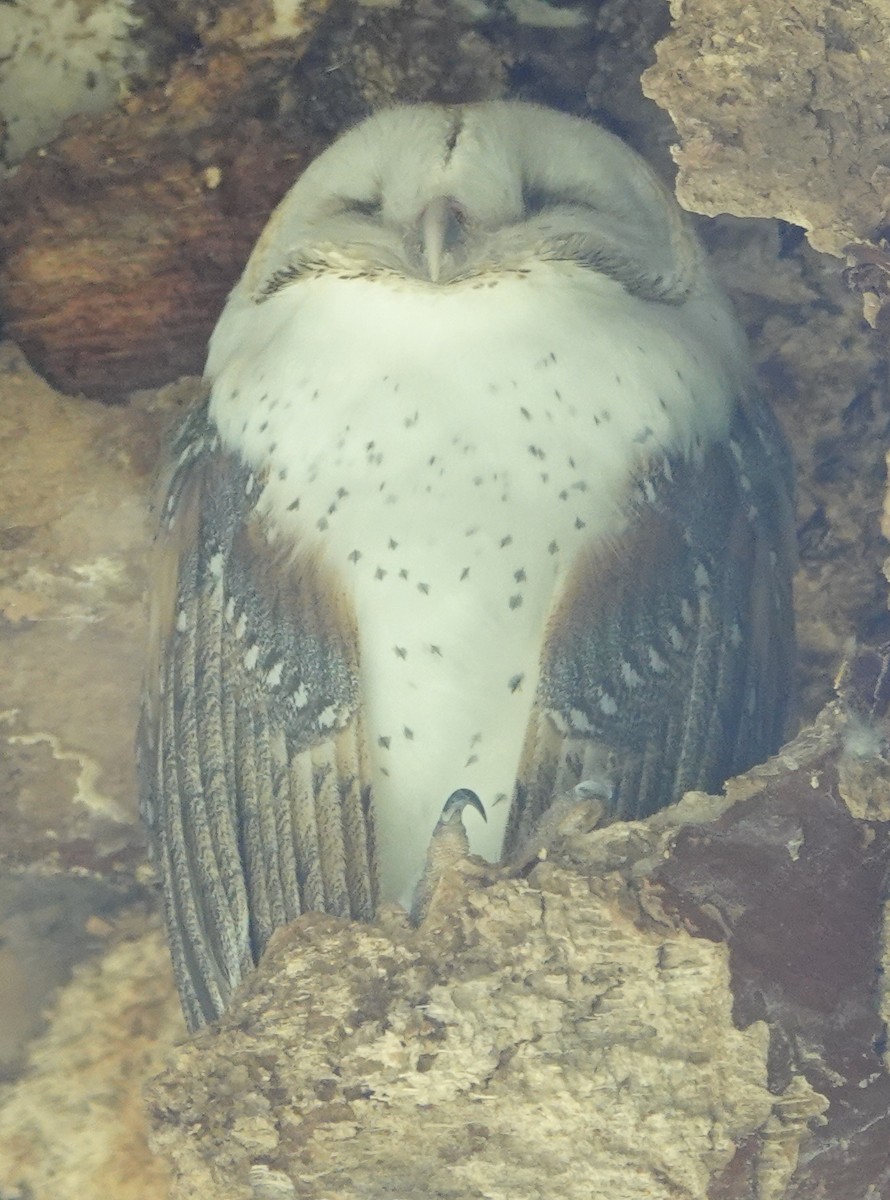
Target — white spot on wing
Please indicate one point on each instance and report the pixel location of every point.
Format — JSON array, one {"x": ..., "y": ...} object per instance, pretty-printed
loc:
[
  {"x": 629, "y": 675},
  {"x": 327, "y": 718},
  {"x": 579, "y": 721},
  {"x": 656, "y": 662}
]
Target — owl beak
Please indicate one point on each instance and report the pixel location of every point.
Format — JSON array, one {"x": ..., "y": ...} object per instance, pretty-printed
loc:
[{"x": 441, "y": 230}]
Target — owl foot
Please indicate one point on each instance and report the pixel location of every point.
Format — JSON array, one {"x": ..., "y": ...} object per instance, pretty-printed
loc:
[
  {"x": 578, "y": 811},
  {"x": 449, "y": 848}
]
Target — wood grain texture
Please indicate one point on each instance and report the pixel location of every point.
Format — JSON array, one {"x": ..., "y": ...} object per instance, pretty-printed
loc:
[{"x": 121, "y": 241}]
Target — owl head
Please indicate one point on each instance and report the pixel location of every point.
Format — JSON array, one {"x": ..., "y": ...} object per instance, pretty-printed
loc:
[{"x": 440, "y": 195}]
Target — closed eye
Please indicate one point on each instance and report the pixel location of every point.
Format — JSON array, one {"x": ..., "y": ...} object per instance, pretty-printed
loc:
[
  {"x": 356, "y": 206},
  {"x": 537, "y": 199}
]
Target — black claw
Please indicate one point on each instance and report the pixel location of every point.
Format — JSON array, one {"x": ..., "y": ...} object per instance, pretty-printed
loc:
[{"x": 458, "y": 801}]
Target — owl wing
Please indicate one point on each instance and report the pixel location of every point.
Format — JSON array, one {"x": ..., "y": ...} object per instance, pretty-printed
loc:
[
  {"x": 668, "y": 667},
  {"x": 252, "y": 771}
]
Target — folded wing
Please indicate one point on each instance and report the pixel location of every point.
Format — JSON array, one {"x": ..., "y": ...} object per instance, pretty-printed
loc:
[
  {"x": 668, "y": 661},
  {"x": 252, "y": 770}
]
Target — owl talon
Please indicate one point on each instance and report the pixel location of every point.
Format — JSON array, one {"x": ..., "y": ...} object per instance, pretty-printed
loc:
[
  {"x": 449, "y": 846},
  {"x": 599, "y": 787},
  {"x": 455, "y": 805}
]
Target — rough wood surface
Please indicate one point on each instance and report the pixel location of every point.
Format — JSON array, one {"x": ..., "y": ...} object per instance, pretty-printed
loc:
[{"x": 782, "y": 111}]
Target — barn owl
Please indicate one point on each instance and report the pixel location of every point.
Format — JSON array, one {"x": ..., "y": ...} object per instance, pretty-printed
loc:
[{"x": 483, "y": 499}]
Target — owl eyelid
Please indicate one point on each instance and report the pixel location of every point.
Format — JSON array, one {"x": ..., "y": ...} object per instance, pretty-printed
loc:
[
  {"x": 536, "y": 199},
  {"x": 362, "y": 207}
]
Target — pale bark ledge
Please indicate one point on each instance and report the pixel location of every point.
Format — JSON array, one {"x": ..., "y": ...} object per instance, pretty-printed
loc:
[
  {"x": 782, "y": 111},
  {"x": 688, "y": 1006}
]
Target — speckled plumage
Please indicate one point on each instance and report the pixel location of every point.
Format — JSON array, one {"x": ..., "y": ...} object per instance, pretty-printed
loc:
[{"x": 483, "y": 498}]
